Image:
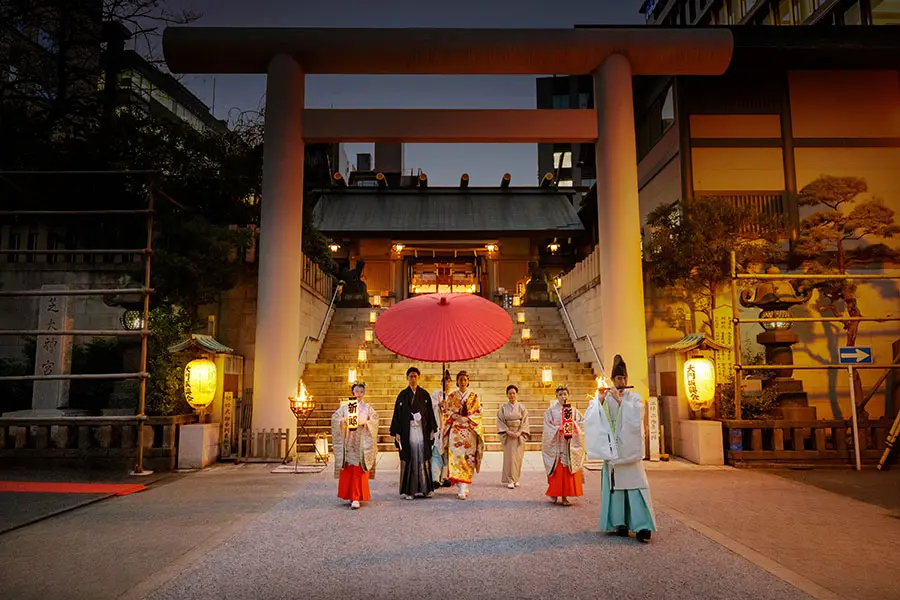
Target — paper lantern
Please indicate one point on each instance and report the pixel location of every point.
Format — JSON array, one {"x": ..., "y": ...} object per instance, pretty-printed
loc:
[
  {"x": 373, "y": 315},
  {"x": 376, "y": 300},
  {"x": 520, "y": 317},
  {"x": 351, "y": 376},
  {"x": 700, "y": 382},
  {"x": 516, "y": 301},
  {"x": 321, "y": 447},
  {"x": 200, "y": 383},
  {"x": 535, "y": 354},
  {"x": 361, "y": 355},
  {"x": 526, "y": 334},
  {"x": 370, "y": 335},
  {"x": 353, "y": 414},
  {"x": 334, "y": 247},
  {"x": 568, "y": 421},
  {"x": 547, "y": 376}
]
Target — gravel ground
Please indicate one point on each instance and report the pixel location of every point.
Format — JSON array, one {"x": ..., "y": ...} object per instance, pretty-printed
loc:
[{"x": 498, "y": 544}]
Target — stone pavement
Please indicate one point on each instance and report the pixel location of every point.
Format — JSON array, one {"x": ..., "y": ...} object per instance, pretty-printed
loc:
[{"x": 242, "y": 532}]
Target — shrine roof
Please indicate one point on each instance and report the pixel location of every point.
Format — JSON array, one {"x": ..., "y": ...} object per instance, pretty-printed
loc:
[{"x": 435, "y": 210}]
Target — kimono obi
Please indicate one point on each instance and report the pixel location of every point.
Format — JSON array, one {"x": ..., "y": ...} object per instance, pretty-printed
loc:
[{"x": 514, "y": 424}]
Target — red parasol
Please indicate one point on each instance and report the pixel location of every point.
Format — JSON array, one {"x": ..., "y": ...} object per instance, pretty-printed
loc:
[{"x": 444, "y": 327}]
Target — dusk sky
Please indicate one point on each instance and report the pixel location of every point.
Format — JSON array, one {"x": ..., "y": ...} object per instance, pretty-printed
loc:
[{"x": 485, "y": 163}]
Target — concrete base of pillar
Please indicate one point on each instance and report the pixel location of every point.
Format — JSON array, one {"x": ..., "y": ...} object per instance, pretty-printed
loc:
[
  {"x": 701, "y": 442},
  {"x": 198, "y": 446}
]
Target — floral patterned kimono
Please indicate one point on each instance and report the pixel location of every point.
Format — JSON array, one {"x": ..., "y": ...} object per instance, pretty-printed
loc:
[{"x": 462, "y": 440}]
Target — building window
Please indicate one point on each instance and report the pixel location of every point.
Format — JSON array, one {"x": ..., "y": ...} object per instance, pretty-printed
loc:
[
  {"x": 584, "y": 100},
  {"x": 14, "y": 244},
  {"x": 885, "y": 12},
  {"x": 560, "y": 101},
  {"x": 32, "y": 245},
  {"x": 562, "y": 159},
  {"x": 565, "y": 183}
]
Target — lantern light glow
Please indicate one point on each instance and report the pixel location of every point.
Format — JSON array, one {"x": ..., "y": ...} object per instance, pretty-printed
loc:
[
  {"x": 373, "y": 315},
  {"x": 520, "y": 317},
  {"x": 376, "y": 300},
  {"x": 535, "y": 354},
  {"x": 700, "y": 382},
  {"x": 526, "y": 333},
  {"x": 362, "y": 355},
  {"x": 351, "y": 376},
  {"x": 370, "y": 335},
  {"x": 334, "y": 247},
  {"x": 200, "y": 383},
  {"x": 546, "y": 375}
]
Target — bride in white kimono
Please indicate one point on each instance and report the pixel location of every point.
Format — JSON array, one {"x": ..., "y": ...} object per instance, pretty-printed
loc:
[{"x": 614, "y": 427}]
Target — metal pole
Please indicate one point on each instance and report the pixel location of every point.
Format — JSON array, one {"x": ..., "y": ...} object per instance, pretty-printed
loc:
[
  {"x": 736, "y": 334},
  {"x": 145, "y": 332},
  {"x": 855, "y": 421}
]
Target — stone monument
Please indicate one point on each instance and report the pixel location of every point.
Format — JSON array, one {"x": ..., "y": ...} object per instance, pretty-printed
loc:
[
  {"x": 537, "y": 292},
  {"x": 354, "y": 293},
  {"x": 53, "y": 356},
  {"x": 774, "y": 298}
]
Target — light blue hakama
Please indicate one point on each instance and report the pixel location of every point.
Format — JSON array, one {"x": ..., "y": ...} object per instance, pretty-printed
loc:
[{"x": 632, "y": 508}]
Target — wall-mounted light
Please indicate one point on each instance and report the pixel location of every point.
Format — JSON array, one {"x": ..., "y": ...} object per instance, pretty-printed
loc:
[
  {"x": 362, "y": 355},
  {"x": 334, "y": 247},
  {"x": 526, "y": 333},
  {"x": 535, "y": 354},
  {"x": 376, "y": 300},
  {"x": 491, "y": 248},
  {"x": 553, "y": 246},
  {"x": 370, "y": 335},
  {"x": 373, "y": 315},
  {"x": 398, "y": 248},
  {"x": 520, "y": 317}
]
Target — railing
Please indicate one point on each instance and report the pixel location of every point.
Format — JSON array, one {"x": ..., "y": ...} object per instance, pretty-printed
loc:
[
  {"x": 585, "y": 275},
  {"x": 316, "y": 278},
  {"x": 325, "y": 320},
  {"x": 769, "y": 204},
  {"x": 575, "y": 335},
  {"x": 92, "y": 441},
  {"x": 761, "y": 443}
]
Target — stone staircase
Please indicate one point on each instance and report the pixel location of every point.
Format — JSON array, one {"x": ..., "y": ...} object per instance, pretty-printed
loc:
[{"x": 385, "y": 373}]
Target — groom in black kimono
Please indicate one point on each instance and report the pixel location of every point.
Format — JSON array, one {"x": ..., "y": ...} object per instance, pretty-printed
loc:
[{"x": 413, "y": 427}]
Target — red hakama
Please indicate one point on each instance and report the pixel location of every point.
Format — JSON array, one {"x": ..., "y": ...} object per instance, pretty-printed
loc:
[
  {"x": 564, "y": 483},
  {"x": 353, "y": 483}
]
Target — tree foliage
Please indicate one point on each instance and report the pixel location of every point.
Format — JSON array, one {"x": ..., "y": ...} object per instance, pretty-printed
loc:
[
  {"x": 689, "y": 251},
  {"x": 845, "y": 233}
]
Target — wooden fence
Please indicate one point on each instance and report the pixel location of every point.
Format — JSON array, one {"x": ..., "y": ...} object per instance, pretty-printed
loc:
[
  {"x": 582, "y": 277},
  {"x": 802, "y": 443},
  {"x": 109, "y": 442}
]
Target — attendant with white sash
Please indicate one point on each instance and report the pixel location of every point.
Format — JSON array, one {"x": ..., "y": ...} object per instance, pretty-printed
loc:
[{"x": 614, "y": 425}]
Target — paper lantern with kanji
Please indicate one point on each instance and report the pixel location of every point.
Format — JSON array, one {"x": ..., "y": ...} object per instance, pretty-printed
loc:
[
  {"x": 200, "y": 383},
  {"x": 700, "y": 382}
]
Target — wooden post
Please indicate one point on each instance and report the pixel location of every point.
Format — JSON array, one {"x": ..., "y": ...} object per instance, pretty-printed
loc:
[
  {"x": 855, "y": 421},
  {"x": 737, "y": 338}
]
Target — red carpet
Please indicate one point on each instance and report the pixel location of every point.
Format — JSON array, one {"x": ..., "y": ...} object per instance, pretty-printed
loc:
[{"x": 119, "y": 489}]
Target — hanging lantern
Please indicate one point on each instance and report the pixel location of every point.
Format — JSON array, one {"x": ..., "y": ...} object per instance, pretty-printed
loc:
[
  {"x": 334, "y": 247},
  {"x": 700, "y": 382},
  {"x": 373, "y": 315},
  {"x": 553, "y": 246},
  {"x": 558, "y": 281},
  {"x": 376, "y": 300},
  {"x": 370, "y": 335},
  {"x": 546, "y": 375},
  {"x": 526, "y": 333},
  {"x": 520, "y": 317},
  {"x": 362, "y": 355},
  {"x": 568, "y": 421},
  {"x": 353, "y": 414},
  {"x": 133, "y": 320},
  {"x": 351, "y": 376},
  {"x": 200, "y": 383},
  {"x": 535, "y": 354}
]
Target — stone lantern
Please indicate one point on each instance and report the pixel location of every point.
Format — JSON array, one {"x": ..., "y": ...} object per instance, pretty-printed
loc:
[{"x": 774, "y": 298}]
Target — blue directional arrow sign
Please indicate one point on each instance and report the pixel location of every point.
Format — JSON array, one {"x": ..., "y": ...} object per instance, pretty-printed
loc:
[{"x": 855, "y": 355}]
